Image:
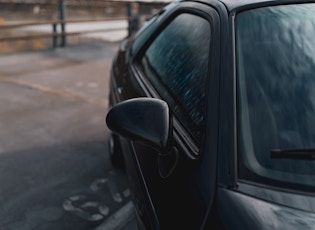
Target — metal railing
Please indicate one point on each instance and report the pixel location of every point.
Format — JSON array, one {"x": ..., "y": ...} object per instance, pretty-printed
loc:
[
  {"x": 54, "y": 34},
  {"x": 58, "y": 35}
]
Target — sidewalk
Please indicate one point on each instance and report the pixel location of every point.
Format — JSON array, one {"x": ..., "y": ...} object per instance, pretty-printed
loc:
[{"x": 75, "y": 80}]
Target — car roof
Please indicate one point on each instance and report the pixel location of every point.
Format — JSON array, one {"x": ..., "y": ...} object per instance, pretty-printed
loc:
[{"x": 234, "y": 5}]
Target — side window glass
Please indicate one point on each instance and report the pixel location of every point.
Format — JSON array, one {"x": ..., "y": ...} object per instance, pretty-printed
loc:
[{"x": 177, "y": 63}]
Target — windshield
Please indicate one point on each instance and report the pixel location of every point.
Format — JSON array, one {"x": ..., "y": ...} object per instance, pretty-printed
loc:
[{"x": 275, "y": 48}]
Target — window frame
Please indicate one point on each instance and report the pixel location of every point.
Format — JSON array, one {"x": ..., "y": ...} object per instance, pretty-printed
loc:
[
  {"x": 167, "y": 89},
  {"x": 181, "y": 135}
]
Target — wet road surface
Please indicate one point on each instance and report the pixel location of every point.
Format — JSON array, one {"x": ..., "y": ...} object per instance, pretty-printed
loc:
[{"x": 55, "y": 171}]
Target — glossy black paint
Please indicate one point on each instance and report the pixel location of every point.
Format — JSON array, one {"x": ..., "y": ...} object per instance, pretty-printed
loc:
[
  {"x": 142, "y": 119},
  {"x": 195, "y": 186}
]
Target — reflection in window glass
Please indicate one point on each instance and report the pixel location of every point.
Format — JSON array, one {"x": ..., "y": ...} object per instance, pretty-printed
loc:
[
  {"x": 275, "y": 67},
  {"x": 177, "y": 64}
]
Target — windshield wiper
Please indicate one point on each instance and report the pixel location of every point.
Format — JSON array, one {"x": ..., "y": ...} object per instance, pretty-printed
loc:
[{"x": 302, "y": 154}]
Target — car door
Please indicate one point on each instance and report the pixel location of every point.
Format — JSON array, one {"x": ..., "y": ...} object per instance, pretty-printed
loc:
[{"x": 177, "y": 63}]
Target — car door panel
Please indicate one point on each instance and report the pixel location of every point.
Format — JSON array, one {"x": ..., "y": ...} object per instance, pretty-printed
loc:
[{"x": 180, "y": 197}]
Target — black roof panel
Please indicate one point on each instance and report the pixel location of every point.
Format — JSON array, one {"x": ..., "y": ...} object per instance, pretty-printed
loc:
[
  {"x": 232, "y": 4},
  {"x": 235, "y": 4}
]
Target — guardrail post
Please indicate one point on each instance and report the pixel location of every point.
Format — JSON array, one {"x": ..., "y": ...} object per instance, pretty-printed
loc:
[
  {"x": 129, "y": 17},
  {"x": 62, "y": 17},
  {"x": 55, "y": 37}
]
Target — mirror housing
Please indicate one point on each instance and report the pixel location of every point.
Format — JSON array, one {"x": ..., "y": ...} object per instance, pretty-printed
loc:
[{"x": 146, "y": 120}]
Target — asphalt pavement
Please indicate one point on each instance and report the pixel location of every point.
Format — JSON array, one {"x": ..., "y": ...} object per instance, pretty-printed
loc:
[{"x": 55, "y": 171}]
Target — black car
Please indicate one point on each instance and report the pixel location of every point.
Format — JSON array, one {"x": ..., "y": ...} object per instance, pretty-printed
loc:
[{"x": 213, "y": 113}]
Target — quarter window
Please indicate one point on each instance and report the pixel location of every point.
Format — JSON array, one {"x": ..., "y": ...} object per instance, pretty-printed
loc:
[{"x": 176, "y": 63}]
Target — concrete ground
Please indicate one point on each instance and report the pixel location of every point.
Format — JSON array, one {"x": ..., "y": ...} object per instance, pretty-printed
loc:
[{"x": 54, "y": 164}]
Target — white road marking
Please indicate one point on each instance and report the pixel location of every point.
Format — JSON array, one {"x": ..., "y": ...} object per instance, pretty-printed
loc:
[
  {"x": 126, "y": 193},
  {"x": 99, "y": 211},
  {"x": 76, "y": 198},
  {"x": 95, "y": 186},
  {"x": 104, "y": 210},
  {"x": 114, "y": 192},
  {"x": 92, "y": 210},
  {"x": 90, "y": 204},
  {"x": 113, "y": 189},
  {"x": 119, "y": 219}
]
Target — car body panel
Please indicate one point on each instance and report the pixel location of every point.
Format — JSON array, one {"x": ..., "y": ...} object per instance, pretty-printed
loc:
[
  {"x": 204, "y": 191},
  {"x": 140, "y": 89},
  {"x": 240, "y": 211}
]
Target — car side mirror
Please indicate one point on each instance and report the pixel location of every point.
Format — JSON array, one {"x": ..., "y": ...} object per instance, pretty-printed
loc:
[
  {"x": 149, "y": 121},
  {"x": 145, "y": 120}
]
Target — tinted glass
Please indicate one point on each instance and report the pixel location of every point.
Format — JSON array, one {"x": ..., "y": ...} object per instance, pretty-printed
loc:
[
  {"x": 177, "y": 64},
  {"x": 276, "y": 89}
]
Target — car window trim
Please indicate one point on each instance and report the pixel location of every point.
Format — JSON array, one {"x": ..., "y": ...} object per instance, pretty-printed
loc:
[{"x": 181, "y": 135}]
